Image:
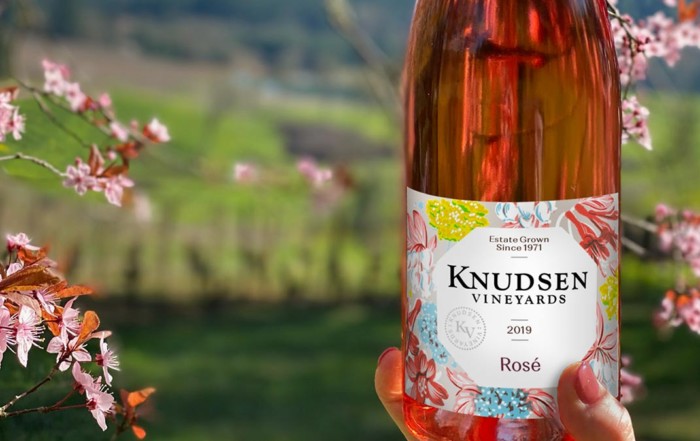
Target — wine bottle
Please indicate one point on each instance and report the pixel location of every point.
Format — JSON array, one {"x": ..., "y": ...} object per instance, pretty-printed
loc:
[{"x": 512, "y": 144}]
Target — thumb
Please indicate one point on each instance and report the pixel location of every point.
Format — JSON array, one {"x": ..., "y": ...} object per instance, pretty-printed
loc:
[{"x": 588, "y": 411}]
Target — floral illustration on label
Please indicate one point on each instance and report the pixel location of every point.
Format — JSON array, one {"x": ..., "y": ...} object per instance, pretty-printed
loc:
[
  {"x": 455, "y": 219},
  {"x": 595, "y": 219},
  {"x": 508, "y": 285},
  {"x": 525, "y": 214},
  {"x": 420, "y": 251},
  {"x": 609, "y": 293}
]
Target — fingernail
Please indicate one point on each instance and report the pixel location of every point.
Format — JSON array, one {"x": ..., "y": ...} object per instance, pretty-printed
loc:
[
  {"x": 587, "y": 387},
  {"x": 384, "y": 354}
]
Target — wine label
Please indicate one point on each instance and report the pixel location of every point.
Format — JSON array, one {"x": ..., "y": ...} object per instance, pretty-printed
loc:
[{"x": 501, "y": 297}]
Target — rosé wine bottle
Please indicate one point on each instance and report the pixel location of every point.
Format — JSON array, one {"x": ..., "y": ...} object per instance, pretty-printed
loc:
[{"x": 512, "y": 141}]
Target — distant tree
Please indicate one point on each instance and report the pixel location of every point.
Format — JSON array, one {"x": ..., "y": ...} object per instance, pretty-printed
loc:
[
  {"x": 8, "y": 13},
  {"x": 64, "y": 20}
]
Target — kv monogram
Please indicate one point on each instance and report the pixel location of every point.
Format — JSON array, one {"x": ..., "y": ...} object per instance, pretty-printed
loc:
[{"x": 465, "y": 328}]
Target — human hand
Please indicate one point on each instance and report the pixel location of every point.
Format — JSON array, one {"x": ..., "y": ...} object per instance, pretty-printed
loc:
[{"x": 587, "y": 410}]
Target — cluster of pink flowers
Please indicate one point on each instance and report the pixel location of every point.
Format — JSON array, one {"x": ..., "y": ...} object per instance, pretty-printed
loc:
[
  {"x": 657, "y": 36},
  {"x": 313, "y": 173},
  {"x": 32, "y": 296},
  {"x": 679, "y": 235},
  {"x": 245, "y": 172},
  {"x": 11, "y": 121},
  {"x": 631, "y": 384},
  {"x": 96, "y": 174},
  {"x": 677, "y": 309},
  {"x": 635, "y": 121},
  {"x": 317, "y": 176}
]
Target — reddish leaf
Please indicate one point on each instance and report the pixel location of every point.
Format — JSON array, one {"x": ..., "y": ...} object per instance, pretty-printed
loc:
[
  {"x": 90, "y": 323},
  {"x": 139, "y": 432},
  {"x": 20, "y": 299},
  {"x": 130, "y": 150},
  {"x": 687, "y": 11},
  {"x": 74, "y": 291},
  {"x": 28, "y": 279},
  {"x": 115, "y": 170},
  {"x": 29, "y": 257},
  {"x": 12, "y": 90},
  {"x": 95, "y": 160},
  {"x": 52, "y": 321},
  {"x": 138, "y": 397}
]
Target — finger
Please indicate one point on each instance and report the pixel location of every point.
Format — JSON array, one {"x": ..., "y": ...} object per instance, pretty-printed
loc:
[
  {"x": 588, "y": 411},
  {"x": 389, "y": 387}
]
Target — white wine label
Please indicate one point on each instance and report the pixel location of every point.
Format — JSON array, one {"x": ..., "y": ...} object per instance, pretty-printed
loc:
[{"x": 501, "y": 297}]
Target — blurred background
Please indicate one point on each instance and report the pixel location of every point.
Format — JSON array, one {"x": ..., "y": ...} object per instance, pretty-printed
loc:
[{"x": 258, "y": 309}]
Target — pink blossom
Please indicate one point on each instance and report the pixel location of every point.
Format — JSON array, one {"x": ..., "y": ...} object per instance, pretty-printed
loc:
[
  {"x": 689, "y": 312},
  {"x": 18, "y": 241},
  {"x": 631, "y": 385},
  {"x": 79, "y": 177},
  {"x": 6, "y": 326},
  {"x": 105, "y": 101},
  {"x": 27, "y": 333},
  {"x": 677, "y": 309},
  {"x": 47, "y": 300},
  {"x": 13, "y": 268},
  {"x": 69, "y": 322},
  {"x": 119, "y": 131},
  {"x": 316, "y": 175},
  {"x": 83, "y": 380},
  {"x": 682, "y": 234},
  {"x": 17, "y": 125},
  {"x": 245, "y": 172},
  {"x": 67, "y": 351},
  {"x": 156, "y": 131},
  {"x": 56, "y": 76},
  {"x": 11, "y": 121},
  {"x": 666, "y": 316},
  {"x": 99, "y": 402},
  {"x": 114, "y": 188},
  {"x": 75, "y": 96},
  {"x": 634, "y": 121},
  {"x": 662, "y": 212},
  {"x": 107, "y": 359}
]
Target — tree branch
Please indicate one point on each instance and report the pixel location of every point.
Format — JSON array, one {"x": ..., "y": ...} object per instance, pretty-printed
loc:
[
  {"x": 43, "y": 409},
  {"x": 342, "y": 18},
  {"x": 12, "y": 402},
  {"x": 39, "y": 97},
  {"x": 34, "y": 160}
]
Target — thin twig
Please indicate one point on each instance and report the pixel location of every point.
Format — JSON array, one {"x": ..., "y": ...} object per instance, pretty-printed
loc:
[
  {"x": 40, "y": 98},
  {"x": 342, "y": 18},
  {"x": 12, "y": 402},
  {"x": 64, "y": 399},
  {"x": 44, "y": 409},
  {"x": 35, "y": 160}
]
